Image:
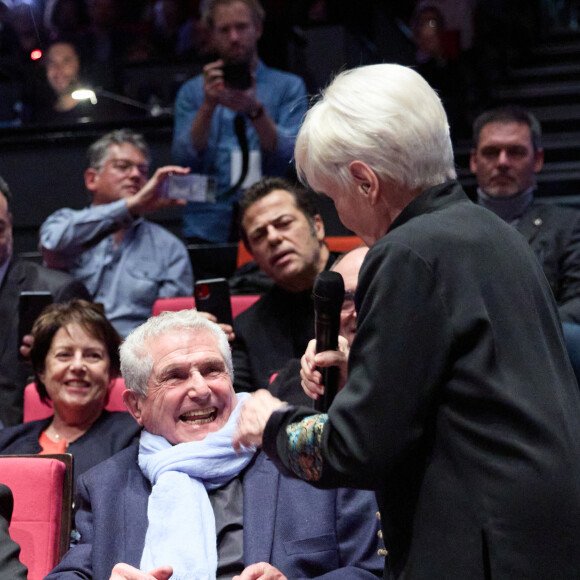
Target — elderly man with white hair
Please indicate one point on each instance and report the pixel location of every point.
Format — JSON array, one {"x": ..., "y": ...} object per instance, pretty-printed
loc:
[
  {"x": 184, "y": 504},
  {"x": 460, "y": 407}
]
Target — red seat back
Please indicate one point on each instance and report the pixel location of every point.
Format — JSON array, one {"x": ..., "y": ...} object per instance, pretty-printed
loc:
[
  {"x": 41, "y": 520},
  {"x": 240, "y": 302}
]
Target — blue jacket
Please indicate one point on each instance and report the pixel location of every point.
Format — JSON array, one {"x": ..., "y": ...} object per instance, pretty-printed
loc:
[
  {"x": 302, "y": 531},
  {"x": 284, "y": 98}
]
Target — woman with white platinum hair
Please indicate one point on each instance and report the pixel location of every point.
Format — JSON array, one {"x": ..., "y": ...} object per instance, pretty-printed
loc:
[
  {"x": 460, "y": 407},
  {"x": 385, "y": 115}
]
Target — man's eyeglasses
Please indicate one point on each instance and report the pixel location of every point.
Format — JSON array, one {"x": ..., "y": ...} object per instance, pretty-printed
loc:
[
  {"x": 348, "y": 302},
  {"x": 125, "y": 166}
]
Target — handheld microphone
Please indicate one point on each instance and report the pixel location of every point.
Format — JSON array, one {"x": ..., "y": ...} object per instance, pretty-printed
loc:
[{"x": 328, "y": 296}]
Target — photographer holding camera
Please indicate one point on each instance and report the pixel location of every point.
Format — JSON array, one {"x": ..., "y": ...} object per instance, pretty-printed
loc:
[{"x": 237, "y": 121}]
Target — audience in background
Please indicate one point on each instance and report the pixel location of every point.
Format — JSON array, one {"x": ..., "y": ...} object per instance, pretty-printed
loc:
[
  {"x": 235, "y": 127},
  {"x": 105, "y": 42},
  {"x": 283, "y": 231},
  {"x": 116, "y": 34},
  {"x": 16, "y": 276},
  {"x": 507, "y": 154},
  {"x": 183, "y": 502},
  {"x": 64, "y": 75},
  {"x": 75, "y": 357},
  {"x": 438, "y": 61},
  {"x": 65, "y": 18},
  {"x": 125, "y": 261}
]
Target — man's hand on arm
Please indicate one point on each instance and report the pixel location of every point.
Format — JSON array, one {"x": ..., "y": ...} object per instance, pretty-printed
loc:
[
  {"x": 149, "y": 198},
  {"x": 225, "y": 327},
  {"x": 260, "y": 571},
  {"x": 253, "y": 418},
  {"x": 26, "y": 346},
  {"x": 126, "y": 572}
]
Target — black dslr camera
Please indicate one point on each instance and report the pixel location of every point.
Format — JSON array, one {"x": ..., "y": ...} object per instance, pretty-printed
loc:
[{"x": 237, "y": 75}]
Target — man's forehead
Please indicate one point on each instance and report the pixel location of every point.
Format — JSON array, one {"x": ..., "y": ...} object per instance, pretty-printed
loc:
[
  {"x": 181, "y": 342},
  {"x": 349, "y": 266},
  {"x": 229, "y": 12},
  {"x": 276, "y": 203},
  {"x": 125, "y": 151},
  {"x": 497, "y": 131}
]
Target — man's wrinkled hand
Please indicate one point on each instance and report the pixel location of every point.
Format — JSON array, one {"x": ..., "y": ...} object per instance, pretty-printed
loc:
[
  {"x": 311, "y": 362},
  {"x": 253, "y": 418},
  {"x": 126, "y": 572},
  {"x": 228, "y": 329},
  {"x": 26, "y": 346},
  {"x": 260, "y": 571},
  {"x": 149, "y": 198}
]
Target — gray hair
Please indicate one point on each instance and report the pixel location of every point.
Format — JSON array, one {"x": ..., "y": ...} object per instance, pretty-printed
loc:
[
  {"x": 385, "y": 115},
  {"x": 137, "y": 362},
  {"x": 99, "y": 151}
]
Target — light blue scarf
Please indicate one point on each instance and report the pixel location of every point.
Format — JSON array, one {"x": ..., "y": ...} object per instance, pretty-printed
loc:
[{"x": 181, "y": 531}]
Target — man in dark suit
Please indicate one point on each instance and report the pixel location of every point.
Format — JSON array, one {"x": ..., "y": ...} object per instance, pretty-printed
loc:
[
  {"x": 506, "y": 156},
  {"x": 283, "y": 231},
  {"x": 10, "y": 565},
  {"x": 184, "y": 485},
  {"x": 16, "y": 276}
]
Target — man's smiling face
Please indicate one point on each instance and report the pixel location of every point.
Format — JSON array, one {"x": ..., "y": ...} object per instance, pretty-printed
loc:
[{"x": 189, "y": 392}]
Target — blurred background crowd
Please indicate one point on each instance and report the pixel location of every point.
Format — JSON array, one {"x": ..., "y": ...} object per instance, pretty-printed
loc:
[{"x": 145, "y": 49}]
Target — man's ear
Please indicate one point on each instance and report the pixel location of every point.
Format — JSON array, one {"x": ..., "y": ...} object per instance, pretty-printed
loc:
[
  {"x": 134, "y": 402},
  {"x": 319, "y": 228},
  {"x": 538, "y": 160},
  {"x": 259, "y": 29},
  {"x": 366, "y": 181},
  {"x": 91, "y": 178},
  {"x": 473, "y": 161}
]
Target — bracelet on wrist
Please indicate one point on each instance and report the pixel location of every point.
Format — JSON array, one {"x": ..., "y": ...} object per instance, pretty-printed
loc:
[{"x": 256, "y": 113}]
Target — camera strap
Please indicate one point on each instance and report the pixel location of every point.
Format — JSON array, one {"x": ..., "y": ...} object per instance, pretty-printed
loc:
[{"x": 240, "y": 131}]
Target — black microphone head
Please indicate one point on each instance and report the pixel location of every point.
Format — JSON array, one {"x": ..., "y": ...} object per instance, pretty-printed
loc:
[{"x": 328, "y": 289}]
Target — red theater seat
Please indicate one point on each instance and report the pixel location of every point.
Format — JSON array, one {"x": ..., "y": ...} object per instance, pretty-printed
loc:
[
  {"x": 41, "y": 521},
  {"x": 239, "y": 303}
]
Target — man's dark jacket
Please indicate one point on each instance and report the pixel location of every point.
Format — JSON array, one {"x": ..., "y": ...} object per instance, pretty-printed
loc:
[
  {"x": 272, "y": 331},
  {"x": 553, "y": 232},
  {"x": 302, "y": 531}
]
